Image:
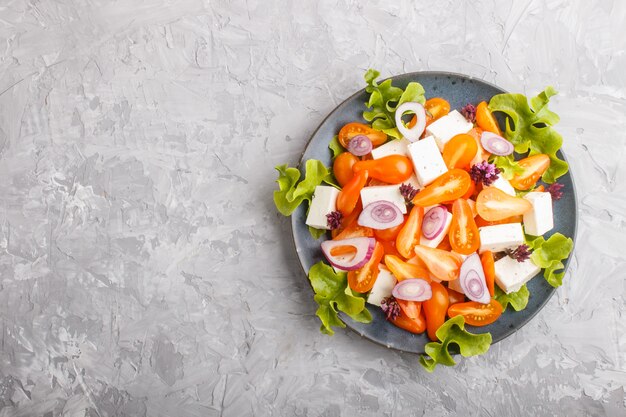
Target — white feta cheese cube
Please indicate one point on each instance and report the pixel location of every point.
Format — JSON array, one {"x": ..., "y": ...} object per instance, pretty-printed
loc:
[
  {"x": 433, "y": 243},
  {"x": 393, "y": 147},
  {"x": 414, "y": 182},
  {"x": 389, "y": 193},
  {"x": 503, "y": 184},
  {"x": 538, "y": 220},
  {"x": 382, "y": 286},
  {"x": 511, "y": 275},
  {"x": 428, "y": 163},
  {"x": 500, "y": 237},
  {"x": 323, "y": 203},
  {"x": 448, "y": 126}
]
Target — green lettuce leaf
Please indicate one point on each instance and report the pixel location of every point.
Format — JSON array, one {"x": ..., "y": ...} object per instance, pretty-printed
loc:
[
  {"x": 549, "y": 254},
  {"x": 291, "y": 193},
  {"x": 507, "y": 166},
  {"x": 335, "y": 147},
  {"x": 332, "y": 294},
  {"x": 316, "y": 233},
  {"x": 385, "y": 99},
  {"x": 453, "y": 332},
  {"x": 529, "y": 128},
  {"x": 518, "y": 300}
]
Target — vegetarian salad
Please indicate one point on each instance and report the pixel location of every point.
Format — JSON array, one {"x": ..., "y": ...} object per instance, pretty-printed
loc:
[{"x": 434, "y": 215}]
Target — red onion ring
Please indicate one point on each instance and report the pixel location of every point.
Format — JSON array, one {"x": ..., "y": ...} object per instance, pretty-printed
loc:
[
  {"x": 416, "y": 131},
  {"x": 496, "y": 144},
  {"x": 414, "y": 289},
  {"x": 380, "y": 215},
  {"x": 434, "y": 222},
  {"x": 360, "y": 145},
  {"x": 364, "y": 248},
  {"x": 472, "y": 280}
]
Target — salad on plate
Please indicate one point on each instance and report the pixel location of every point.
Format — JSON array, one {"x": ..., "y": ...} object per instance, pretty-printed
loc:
[{"x": 434, "y": 215}]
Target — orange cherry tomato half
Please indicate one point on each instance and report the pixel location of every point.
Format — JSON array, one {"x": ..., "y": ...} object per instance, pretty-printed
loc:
[
  {"x": 477, "y": 314},
  {"x": 411, "y": 309},
  {"x": 349, "y": 195},
  {"x": 485, "y": 119},
  {"x": 389, "y": 246},
  {"x": 404, "y": 270},
  {"x": 354, "y": 129},
  {"x": 459, "y": 151},
  {"x": 463, "y": 234},
  {"x": 354, "y": 230},
  {"x": 348, "y": 221},
  {"x": 482, "y": 154},
  {"x": 445, "y": 244},
  {"x": 447, "y": 187},
  {"x": 489, "y": 267},
  {"x": 409, "y": 235},
  {"x": 362, "y": 280},
  {"x": 455, "y": 296},
  {"x": 415, "y": 260},
  {"x": 472, "y": 205},
  {"x": 437, "y": 107},
  {"x": 392, "y": 169},
  {"x": 342, "y": 167},
  {"x": 387, "y": 235},
  {"x": 435, "y": 309},
  {"x": 442, "y": 264},
  {"x": 480, "y": 222},
  {"x": 534, "y": 167},
  {"x": 494, "y": 204},
  {"x": 414, "y": 326}
]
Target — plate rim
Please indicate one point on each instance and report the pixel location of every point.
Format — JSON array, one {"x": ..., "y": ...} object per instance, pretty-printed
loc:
[{"x": 413, "y": 74}]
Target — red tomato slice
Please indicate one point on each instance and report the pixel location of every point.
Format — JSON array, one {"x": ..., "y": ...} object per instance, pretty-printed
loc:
[
  {"x": 409, "y": 235},
  {"x": 477, "y": 314},
  {"x": 442, "y": 264},
  {"x": 494, "y": 204},
  {"x": 362, "y": 280},
  {"x": 448, "y": 187},
  {"x": 534, "y": 167},
  {"x": 353, "y": 129},
  {"x": 463, "y": 234}
]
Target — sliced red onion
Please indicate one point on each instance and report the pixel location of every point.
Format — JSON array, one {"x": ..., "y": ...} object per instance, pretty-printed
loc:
[
  {"x": 360, "y": 145},
  {"x": 380, "y": 215},
  {"x": 364, "y": 248},
  {"x": 416, "y": 131},
  {"x": 496, "y": 144},
  {"x": 472, "y": 280},
  {"x": 414, "y": 289},
  {"x": 434, "y": 222}
]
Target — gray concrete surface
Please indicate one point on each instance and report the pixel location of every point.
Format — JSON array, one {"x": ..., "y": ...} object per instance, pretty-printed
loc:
[{"x": 143, "y": 269}]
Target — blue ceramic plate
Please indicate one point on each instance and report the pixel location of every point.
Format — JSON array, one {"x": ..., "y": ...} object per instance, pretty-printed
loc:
[{"x": 458, "y": 90}]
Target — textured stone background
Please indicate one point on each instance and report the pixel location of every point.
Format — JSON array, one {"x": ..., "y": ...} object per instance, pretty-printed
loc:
[{"x": 144, "y": 271}]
